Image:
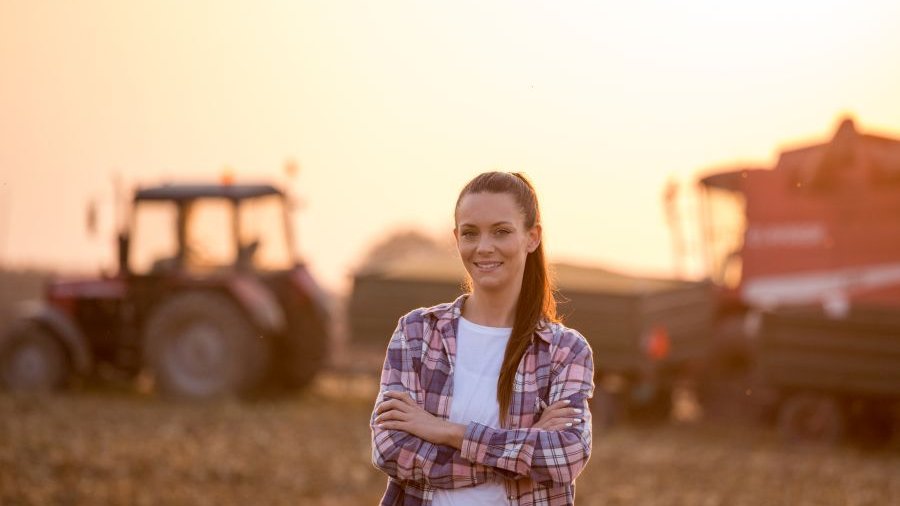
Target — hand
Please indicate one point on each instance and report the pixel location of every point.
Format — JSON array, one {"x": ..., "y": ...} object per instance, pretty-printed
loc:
[
  {"x": 398, "y": 411},
  {"x": 559, "y": 416}
]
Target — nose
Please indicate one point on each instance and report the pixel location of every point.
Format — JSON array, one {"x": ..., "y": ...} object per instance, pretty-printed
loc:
[{"x": 485, "y": 244}]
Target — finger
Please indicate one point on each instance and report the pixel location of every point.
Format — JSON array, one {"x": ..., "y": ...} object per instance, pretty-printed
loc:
[
  {"x": 393, "y": 425},
  {"x": 558, "y": 412},
  {"x": 557, "y": 423},
  {"x": 563, "y": 403},
  {"x": 391, "y": 415},
  {"x": 400, "y": 396},
  {"x": 562, "y": 425},
  {"x": 385, "y": 405},
  {"x": 557, "y": 407},
  {"x": 549, "y": 416},
  {"x": 392, "y": 404}
]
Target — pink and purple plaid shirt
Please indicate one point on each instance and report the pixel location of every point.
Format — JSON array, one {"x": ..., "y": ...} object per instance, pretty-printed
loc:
[{"x": 538, "y": 467}]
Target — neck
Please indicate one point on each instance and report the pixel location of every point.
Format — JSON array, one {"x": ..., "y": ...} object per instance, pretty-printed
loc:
[{"x": 490, "y": 308}]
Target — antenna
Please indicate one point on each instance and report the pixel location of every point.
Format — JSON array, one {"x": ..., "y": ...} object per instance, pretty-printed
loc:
[
  {"x": 670, "y": 206},
  {"x": 5, "y": 212}
]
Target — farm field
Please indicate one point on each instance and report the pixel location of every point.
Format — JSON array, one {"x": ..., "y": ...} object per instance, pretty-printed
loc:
[{"x": 113, "y": 446}]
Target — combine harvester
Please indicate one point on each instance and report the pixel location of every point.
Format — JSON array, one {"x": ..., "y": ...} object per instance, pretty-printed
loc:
[{"x": 806, "y": 258}]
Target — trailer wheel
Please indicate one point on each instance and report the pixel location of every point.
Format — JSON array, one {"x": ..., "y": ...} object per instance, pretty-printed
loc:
[
  {"x": 201, "y": 345},
  {"x": 871, "y": 423},
  {"x": 33, "y": 360},
  {"x": 811, "y": 418},
  {"x": 606, "y": 408},
  {"x": 650, "y": 404}
]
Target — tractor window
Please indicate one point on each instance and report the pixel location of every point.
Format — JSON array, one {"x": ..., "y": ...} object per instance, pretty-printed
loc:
[
  {"x": 724, "y": 222},
  {"x": 209, "y": 235},
  {"x": 264, "y": 236},
  {"x": 154, "y": 239}
]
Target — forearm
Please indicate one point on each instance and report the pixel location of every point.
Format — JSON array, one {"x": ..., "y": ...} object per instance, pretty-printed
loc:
[
  {"x": 452, "y": 434},
  {"x": 543, "y": 455},
  {"x": 407, "y": 457}
]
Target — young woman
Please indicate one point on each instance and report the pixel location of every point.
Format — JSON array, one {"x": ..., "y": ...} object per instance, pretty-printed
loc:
[{"x": 484, "y": 400}]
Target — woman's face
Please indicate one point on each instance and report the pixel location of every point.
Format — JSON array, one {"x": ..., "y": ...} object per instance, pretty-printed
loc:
[{"x": 492, "y": 239}]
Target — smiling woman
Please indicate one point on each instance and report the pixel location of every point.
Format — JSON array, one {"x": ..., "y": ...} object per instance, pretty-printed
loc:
[{"x": 451, "y": 426}]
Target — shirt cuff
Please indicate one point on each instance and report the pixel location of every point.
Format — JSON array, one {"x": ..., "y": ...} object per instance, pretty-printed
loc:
[{"x": 475, "y": 442}]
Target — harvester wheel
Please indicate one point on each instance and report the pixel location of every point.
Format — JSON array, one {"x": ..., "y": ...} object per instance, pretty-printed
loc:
[
  {"x": 811, "y": 418},
  {"x": 33, "y": 360},
  {"x": 201, "y": 345}
]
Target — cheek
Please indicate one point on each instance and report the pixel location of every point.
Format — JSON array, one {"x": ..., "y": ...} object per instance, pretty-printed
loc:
[
  {"x": 464, "y": 247},
  {"x": 515, "y": 247}
]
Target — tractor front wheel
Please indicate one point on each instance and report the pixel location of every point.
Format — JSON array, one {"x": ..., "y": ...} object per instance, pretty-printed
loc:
[
  {"x": 201, "y": 345},
  {"x": 33, "y": 360}
]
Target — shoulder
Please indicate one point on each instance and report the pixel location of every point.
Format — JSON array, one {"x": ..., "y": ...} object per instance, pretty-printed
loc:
[
  {"x": 567, "y": 341},
  {"x": 413, "y": 322}
]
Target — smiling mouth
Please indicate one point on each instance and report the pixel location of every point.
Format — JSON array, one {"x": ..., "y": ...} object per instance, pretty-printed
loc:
[{"x": 487, "y": 266}]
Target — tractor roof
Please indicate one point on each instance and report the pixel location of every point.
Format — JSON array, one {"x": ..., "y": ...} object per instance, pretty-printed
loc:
[{"x": 180, "y": 192}]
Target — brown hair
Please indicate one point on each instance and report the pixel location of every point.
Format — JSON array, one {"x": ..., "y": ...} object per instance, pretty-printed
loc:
[{"x": 536, "y": 301}]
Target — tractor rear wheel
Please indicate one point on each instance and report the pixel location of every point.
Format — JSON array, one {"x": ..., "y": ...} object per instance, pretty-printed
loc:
[
  {"x": 307, "y": 347},
  {"x": 33, "y": 360},
  {"x": 201, "y": 345}
]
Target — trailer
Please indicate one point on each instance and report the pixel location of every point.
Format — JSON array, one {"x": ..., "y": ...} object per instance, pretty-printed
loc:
[
  {"x": 645, "y": 333},
  {"x": 835, "y": 376}
]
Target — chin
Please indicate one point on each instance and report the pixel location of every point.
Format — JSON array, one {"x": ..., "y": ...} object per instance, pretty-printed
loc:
[{"x": 488, "y": 283}]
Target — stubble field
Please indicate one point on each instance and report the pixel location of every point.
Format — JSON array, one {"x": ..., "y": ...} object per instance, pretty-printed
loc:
[{"x": 99, "y": 446}]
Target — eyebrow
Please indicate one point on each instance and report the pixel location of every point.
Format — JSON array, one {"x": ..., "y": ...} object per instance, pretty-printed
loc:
[{"x": 461, "y": 225}]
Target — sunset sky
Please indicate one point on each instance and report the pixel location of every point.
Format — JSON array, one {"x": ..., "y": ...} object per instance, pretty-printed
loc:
[{"x": 390, "y": 107}]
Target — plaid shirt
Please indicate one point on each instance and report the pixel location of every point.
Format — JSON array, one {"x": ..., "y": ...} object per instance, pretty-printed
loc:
[{"x": 538, "y": 467}]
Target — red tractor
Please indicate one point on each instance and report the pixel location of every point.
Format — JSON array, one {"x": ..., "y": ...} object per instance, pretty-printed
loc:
[
  {"x": 806, "y": 256},
  {"x": 208, "y": 298}
]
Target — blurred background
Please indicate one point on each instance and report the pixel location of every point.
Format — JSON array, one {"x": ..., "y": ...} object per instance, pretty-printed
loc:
[{"x": 212, "y": 215}]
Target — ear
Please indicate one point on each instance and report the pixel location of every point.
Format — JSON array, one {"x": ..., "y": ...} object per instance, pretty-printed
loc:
[
  {"x": 455, "y": 236},
  {"x": 534, "y": 237}
]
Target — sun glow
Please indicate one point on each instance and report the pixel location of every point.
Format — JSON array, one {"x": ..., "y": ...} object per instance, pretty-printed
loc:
[{"x": 390, "y": 107}]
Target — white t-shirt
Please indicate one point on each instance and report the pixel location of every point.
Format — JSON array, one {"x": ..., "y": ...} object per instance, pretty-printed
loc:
[{"x": 479, "y": 355}]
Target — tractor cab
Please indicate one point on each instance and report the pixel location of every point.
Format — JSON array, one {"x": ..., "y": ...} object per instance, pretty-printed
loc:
[{"x": 205, "y": 230}]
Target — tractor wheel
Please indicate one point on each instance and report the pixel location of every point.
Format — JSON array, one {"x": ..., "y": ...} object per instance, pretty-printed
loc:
[
  {"x": 201, "y": 345},
  {"x": 33, "y": 360},
  {"x": 811, "y": 418},
  {"x": 307, "y": 347}
]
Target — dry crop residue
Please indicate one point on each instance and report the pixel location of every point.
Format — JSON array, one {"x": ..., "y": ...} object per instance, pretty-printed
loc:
[{"x": 100, "y": 447}]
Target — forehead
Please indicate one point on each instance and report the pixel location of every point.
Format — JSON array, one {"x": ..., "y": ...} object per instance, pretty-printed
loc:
[{"x": 486, "y": 209}]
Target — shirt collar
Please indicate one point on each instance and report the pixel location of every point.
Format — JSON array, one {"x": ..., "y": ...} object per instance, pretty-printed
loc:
[{"x": 448, "y": 314}]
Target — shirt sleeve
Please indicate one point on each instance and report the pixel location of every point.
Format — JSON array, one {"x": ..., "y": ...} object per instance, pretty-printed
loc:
[
  {"x": 404, "y": 456},
  {"x": 547, "y": 457}
]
